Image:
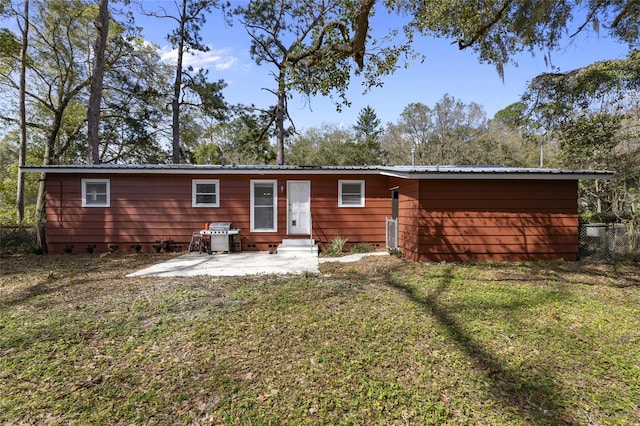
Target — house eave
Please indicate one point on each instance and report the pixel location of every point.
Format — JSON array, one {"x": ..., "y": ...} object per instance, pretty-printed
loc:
[
  {"x": 493, "y": 173},
  {"x": 401, "y": 172},
  {"x": 184, "y": 169}
]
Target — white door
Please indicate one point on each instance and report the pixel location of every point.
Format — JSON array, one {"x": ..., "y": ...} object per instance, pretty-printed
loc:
[{"x": 299, "y": 207}]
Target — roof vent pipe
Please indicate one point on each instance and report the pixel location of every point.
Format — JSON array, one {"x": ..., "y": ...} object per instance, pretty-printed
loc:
[{"x": 413, "y": 157}]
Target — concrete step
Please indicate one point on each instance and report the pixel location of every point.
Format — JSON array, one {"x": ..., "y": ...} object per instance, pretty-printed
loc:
[
  {"x": 297, "y": 242},
  {"x": 299, "y": 249},
  {"x": 291, "y": 246}
]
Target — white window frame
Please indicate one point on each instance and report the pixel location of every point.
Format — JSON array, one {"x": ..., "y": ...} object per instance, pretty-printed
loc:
[
  {"x": 86, "y": 203},
  {"x": 194, "y": 192},
  {"x": 274, "y": 184},
  {"x": 362, "y": 193}
]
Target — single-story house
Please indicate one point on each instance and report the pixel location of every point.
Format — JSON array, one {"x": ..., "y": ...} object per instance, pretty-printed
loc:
[{"x": 430, "y": 213}]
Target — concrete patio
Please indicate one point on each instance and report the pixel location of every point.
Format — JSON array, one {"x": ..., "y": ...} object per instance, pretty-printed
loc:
[{"x": 242, "y": 264}]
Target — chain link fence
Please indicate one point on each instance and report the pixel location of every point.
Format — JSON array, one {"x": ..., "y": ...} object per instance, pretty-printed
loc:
[{"x": 608, "y": 241}]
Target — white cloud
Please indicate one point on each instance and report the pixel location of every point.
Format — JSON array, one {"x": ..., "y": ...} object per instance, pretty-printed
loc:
[{"x": 218, "y": 59}]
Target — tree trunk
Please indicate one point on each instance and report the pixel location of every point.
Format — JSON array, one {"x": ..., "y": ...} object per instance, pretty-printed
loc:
[
  {"x": 281, "y": 107},
  {"x": 22, "y": 151},
  {"x": 49, "y": 159},
  {"x": 93, "y": 110},
  {"x": 177, "y": 86},
  {"x": 175, "y": 129},
  {"x": 40, "y": 201}
]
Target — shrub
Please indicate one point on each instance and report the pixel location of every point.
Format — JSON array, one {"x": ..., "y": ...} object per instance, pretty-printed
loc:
[
  {"x": 15, "y": 238},
  {"x": 395, "y": 252},
  {"x": 361, "y": 248},
  {"x": 335, "y": 247},
  {"x": 604, "y": 217}
]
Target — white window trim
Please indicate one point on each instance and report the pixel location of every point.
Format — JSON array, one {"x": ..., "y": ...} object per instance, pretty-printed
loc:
[
  {"x": 84, "y": 192},
  {"x": 274, "y": 183},
  {"x": 362, "y": 193},
  {"x": 194, "y": 186}
]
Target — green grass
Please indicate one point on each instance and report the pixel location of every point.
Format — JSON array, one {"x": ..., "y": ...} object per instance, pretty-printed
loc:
[{"x": 378, "y": 342}]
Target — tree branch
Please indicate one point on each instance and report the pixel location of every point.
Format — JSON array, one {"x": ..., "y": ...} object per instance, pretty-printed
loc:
[
  {"x": 14, "y": 120},
  {"x": 625, "y": 11},
  {"x": 361, "y": 25},
  {"x": 354, "y": 47},
  {"x": 316, "y": 50},
  {"x": 587, "y": 20},
  {"x": 486, "y": 27}
]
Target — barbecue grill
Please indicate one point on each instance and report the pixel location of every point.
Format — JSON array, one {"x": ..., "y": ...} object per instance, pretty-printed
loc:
[
  {"x": 220, "y": 237},
  {"x": 219, "y": 234}
]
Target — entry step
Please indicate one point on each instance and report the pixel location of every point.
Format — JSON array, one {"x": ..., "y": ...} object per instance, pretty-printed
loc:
[
  {"x": 297, "y": 245},
  {"x": 298, "y": 242}
]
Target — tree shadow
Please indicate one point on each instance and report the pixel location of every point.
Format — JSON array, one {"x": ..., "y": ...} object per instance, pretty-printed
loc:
[
  {"x": 531, "y": 391},
  {"x": 617, "y": 275},
  {"x": 53, "y": 274}
]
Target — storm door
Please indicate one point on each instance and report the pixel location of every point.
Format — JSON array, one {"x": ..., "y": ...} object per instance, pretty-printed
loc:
[{"x": 299, "y": 207}]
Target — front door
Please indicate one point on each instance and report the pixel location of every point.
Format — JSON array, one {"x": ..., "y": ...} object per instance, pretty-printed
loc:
[{"x": 299, "y": 207}]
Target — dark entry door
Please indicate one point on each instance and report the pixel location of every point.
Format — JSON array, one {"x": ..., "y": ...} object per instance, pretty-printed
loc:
[{"x": 394, "y": 203}]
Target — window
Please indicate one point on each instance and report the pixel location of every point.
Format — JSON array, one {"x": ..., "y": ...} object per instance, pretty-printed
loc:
[
  {"x": 351, "y": 193},
  {"x": 96, "y": 193},
  {"x": 205, "y": 193},
  {"x": 264, "y": 199}
]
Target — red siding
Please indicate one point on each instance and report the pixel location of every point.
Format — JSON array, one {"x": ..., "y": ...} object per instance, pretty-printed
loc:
[
  {"x": 358, "y": 224},
  {"x": 481, "y": 220},
  {"x": 147, "y": 208},
  {"x": 451, "y": 220}
]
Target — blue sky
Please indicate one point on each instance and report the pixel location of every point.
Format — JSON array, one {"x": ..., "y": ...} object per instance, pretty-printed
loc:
[{"x": 446, "y": 70}]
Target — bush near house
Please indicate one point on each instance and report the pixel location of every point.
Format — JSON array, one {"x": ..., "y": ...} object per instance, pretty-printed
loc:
[{"x": 19, "y": 239}]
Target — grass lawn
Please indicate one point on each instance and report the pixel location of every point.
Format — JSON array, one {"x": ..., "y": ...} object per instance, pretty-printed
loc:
[{"x": 381, "y": 341}]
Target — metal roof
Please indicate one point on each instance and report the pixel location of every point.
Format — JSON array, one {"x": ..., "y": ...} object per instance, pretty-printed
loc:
[
  {"x": 492, "y": 172},
  {"x": 192, "y": 169},
  {"x": 405, "y": 172}
]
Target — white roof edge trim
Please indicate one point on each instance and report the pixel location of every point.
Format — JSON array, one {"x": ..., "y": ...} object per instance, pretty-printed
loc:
[
  {"x": 169, "y": 171},
  {"x": 501, "y": 176}
]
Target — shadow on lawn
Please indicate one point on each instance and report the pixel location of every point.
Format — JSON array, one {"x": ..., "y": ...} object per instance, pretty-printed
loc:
[
  {"x": 38, "y": 290},
  {"x": 531, "y": 392},
  {"x": 44, "y": 290},
  {"x": 74, "y": 275}
]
